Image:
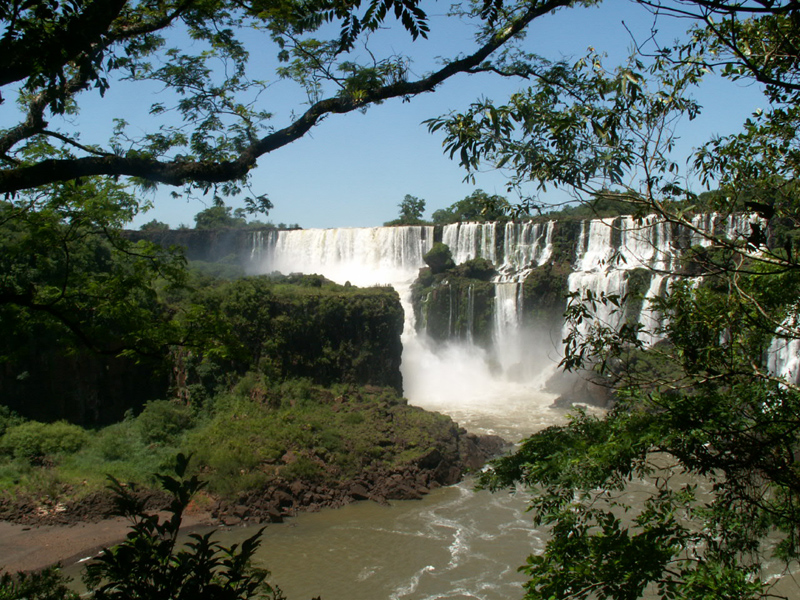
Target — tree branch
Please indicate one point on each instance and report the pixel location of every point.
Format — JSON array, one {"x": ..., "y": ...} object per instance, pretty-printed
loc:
[
  {"x": 43, "y": 51},
  {"x": 178, "y": 172}
]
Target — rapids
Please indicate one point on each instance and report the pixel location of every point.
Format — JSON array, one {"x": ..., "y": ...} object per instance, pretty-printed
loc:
[{"x": 455, "y": 543}]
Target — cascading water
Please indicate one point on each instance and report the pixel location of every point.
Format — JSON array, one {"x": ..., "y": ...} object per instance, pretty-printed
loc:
[
  {"x": 471, "y": 240},
  {"x": 524, "y": 246},
  {"x": 362, "y": 256},
  {"x": 455, "y": 543},
  {"x": 783, "y": 354},
  {"x": 608, "y": 252}
]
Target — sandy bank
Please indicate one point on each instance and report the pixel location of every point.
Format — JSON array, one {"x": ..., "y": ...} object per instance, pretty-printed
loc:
[{"x": 26, "y": 548}]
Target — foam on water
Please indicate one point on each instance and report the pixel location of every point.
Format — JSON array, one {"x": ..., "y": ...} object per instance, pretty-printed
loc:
[{"x": 456, "y": 543}]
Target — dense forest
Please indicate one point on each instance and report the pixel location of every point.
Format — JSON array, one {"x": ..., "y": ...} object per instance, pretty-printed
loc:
[{"x": 84, "y": 306}]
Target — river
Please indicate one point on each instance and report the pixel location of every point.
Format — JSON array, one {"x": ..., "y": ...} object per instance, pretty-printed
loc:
[{"x": 455, "y": 543}]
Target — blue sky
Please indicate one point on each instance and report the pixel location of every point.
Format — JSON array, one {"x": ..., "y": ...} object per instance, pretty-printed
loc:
[{"x": 353, "y": 170}]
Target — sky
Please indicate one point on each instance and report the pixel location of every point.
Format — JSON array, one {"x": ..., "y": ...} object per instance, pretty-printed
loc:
[{"x": 353, "y": 170}]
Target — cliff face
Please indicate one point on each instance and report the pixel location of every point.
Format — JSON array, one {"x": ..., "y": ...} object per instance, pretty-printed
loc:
[
  {"x": 456, "y": 303},
  {"x": 316, "y": 330},
  {"x": 287, "y": 329},
  {"x": 48, "y": 385},
  {"x": 208, "y": 245},
  {"x": 521, "y": 285}
]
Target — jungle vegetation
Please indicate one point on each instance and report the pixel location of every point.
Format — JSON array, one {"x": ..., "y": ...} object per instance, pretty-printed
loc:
[{"x": 722, "y": 418}]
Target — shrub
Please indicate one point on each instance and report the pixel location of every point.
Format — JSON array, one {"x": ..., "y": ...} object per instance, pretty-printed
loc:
[
  {"x": 163, "y": 421},
  {"x": 476, "y": 268},
  {"x": 439, "y": 258},
  {"x": 48, "y": 584},
  {"x": 117, "y": 442},
  {"x": 303, "y": 468},
  {"x": 8, "y": 419},
  {"x": 151, "y": 564},
  {"x": 33, "y": 440}
]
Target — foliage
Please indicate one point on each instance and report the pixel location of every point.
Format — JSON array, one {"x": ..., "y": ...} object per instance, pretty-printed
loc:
[
  {"x": 547, "y": 287},
  {"x": 478, "y": 206},
  {"x": 163, "y": 422},
  {"x": 218, "y": 217},
  {"x": 154, "y": 225},
  {"x": 211, "y": 123},
  {"x": 475, "y": 268},
  {"x": 704, "y": 432},
  {"x": 33, "y": 441},
  {"x": 298, "y": 430},
  {"x": 605, "y": 204},
  {"x": 8, "y": 419},
  {"x": 411, "y": 211},
  {"x": 439, "y": 258},
  {"x": 151, "y": 564},
  {"x": 70, "y": 276},
  {"x": 259, "y": 431},
  {"x": 455, "y": 302},
  {"x": 47, "y": 584}
]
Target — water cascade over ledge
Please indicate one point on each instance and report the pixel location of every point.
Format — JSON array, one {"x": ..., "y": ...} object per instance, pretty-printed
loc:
[
  {"x": 456, "y": 543},
  {"x": 609, "y": 257}
]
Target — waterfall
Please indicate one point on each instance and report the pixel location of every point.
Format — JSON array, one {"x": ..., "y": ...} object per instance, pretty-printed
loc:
[
  {"x": 732, "y": 227},
  {"x": 783, "y": 354},
  {"x": 594, "y": 273},
  {"x": 603, "y": 266},
  {"x": 612, "y": 257},
  {"x": 650, "y": 318},
  {"x": 525, "y": 245},
  {"x": 508, "y": 329},
  {"x": 471, "y": 240},
  {"x": 363, "y": 256},
  {"x": 470, "y": 314}
]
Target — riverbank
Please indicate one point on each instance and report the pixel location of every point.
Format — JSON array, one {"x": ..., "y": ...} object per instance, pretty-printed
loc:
[
  {"x": 35, "y": 533},
  {"x": 32, "y": 547}
]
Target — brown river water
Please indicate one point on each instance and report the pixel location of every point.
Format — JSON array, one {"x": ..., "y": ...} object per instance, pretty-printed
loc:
[{"x": 455, "y": 543}]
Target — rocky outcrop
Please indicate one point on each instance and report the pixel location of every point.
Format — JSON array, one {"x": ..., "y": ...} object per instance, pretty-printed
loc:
[
  {"x": 280, "y": 499},
  {"x": 438, "y": 467}
]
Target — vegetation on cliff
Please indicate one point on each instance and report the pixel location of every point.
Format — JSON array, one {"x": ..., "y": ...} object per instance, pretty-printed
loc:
[
  {"x": 714, "y": 433},
  {"x": 454, "y": 301},
  {"x": 256, "y": 438},
  {"x": 287, "y": 327}
]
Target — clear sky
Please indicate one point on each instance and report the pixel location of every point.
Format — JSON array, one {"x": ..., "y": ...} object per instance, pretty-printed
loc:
[{"x": 352, "y": 170}]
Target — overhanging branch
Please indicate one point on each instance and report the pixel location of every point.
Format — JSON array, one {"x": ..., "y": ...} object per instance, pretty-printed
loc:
[{"x": 178, "y": 172}]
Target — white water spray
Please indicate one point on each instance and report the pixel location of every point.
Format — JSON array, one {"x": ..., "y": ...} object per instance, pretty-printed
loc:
[
  {"x": 459, "y": 372},
  {"x": 457, "y": 377}
]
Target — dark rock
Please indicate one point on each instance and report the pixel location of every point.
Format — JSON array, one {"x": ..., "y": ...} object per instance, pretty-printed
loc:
[
  {"x": 282, "y": 498},
  {"x": 359, "y": 492}
]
